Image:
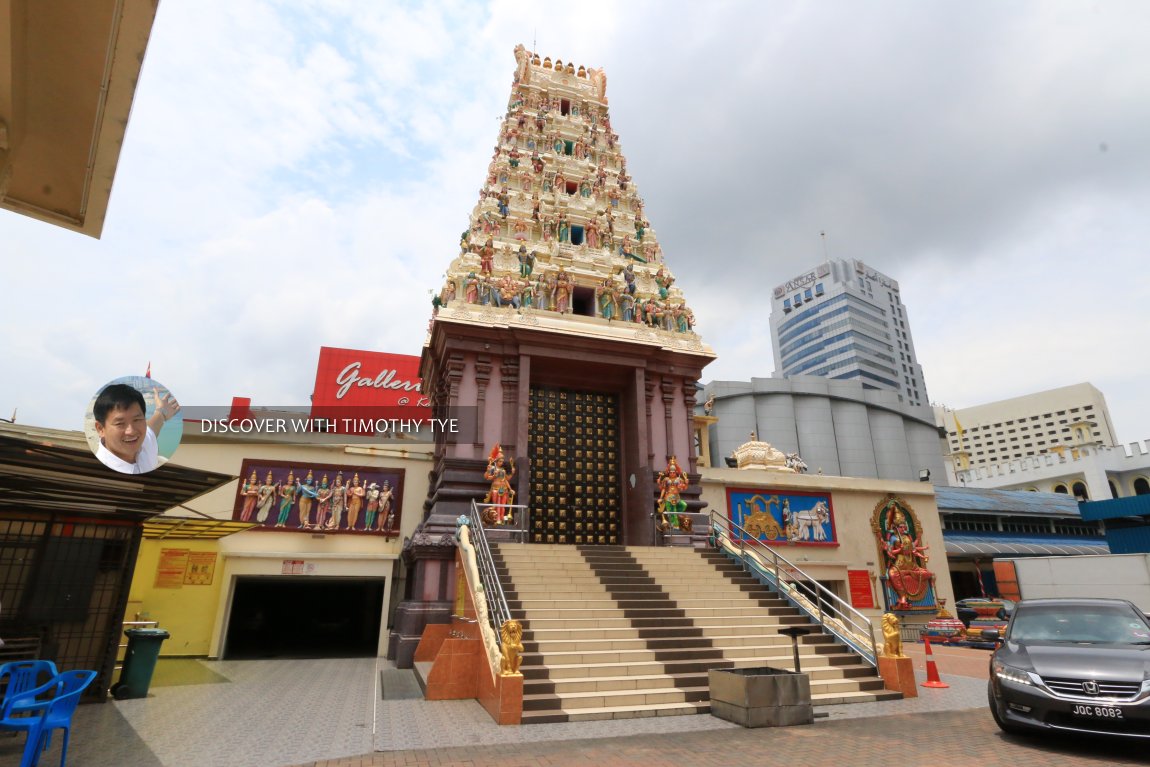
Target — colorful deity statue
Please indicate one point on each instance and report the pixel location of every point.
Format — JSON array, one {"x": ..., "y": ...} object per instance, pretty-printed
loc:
[
  {"x": 355, "y": 494},
  {"x": 608, "y": 298},
  {"x": 471, "y": 288},
  {"x": 287, "y": 493},
  {"x": 487, "y": 257},
  {"x": 671, "y": 506},
  {"x": 904, "y": 556},
  {"x": 664, "y": 280},
  {"x": 563, "y": 288},
  {"x": 266, "y": 496},
  {"x": 372, "y": 506},
  {"x": 307, "y": 496},
  {"x": 338, "y": 502},
  {"x": 500, "y": 495},
  {"x": 251, "y": 493},
  {"x": 323, "y": 497}
]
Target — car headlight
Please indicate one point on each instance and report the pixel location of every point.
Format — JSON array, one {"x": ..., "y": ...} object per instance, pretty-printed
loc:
[{"x": 1011, "y": 674}]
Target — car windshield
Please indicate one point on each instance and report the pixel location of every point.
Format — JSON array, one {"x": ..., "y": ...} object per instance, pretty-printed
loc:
[{"x": 1079, "y": 623}]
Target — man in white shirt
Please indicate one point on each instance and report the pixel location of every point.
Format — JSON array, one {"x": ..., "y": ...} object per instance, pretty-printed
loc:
[{"x": 128, "y": 441}]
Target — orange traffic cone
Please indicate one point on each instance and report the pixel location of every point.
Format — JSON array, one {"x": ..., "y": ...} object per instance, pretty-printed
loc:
[{"x": 932, "y": 679}]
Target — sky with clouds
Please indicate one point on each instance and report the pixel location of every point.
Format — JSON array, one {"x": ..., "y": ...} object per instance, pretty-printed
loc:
[{"x": 296, "y": 174}]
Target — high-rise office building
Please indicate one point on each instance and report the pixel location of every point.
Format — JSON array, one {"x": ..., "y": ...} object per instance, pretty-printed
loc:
[{"x": 844, "y": 320}]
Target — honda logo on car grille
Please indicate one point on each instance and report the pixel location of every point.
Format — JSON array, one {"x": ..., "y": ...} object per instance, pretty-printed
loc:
[{"x": 1090, "y": 687}]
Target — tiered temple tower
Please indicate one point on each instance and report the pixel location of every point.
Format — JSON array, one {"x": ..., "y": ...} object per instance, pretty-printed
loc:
[{"x": 559, "y": 335}]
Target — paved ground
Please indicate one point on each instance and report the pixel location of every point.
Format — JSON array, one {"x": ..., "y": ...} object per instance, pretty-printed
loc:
[{"x": 361, "y": 713}]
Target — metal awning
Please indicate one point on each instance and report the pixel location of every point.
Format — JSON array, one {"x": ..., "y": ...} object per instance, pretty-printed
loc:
[
  {"x": 978, "y": 545},
  {"x": 41, "y": 474},
  {"x": 189, "y": 528}
]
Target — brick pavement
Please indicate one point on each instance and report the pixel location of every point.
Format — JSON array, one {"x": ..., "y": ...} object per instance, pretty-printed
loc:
[{"x": 938, "y": 739}]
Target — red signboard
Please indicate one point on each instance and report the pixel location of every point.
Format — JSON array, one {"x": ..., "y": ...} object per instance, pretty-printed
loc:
[
  {"x": 862, "y": 597},
  {"x": 349, "y": 382}
]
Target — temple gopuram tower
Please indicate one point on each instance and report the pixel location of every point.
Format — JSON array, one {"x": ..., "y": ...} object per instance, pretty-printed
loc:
[{"x": 561, "y": 336}]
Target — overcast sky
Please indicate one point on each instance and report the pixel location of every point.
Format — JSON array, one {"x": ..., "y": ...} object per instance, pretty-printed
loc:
[{"x": 296, "y": 174}]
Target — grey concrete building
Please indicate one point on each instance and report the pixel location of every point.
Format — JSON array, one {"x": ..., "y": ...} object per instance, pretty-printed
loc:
[{"x": 839, "y": 427}]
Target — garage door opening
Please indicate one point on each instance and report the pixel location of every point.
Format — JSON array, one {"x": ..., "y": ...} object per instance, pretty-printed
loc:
[{"x": 278, "y": 617}]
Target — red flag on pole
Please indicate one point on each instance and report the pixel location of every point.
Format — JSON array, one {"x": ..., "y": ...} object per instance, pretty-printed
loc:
[{"x": 148, "y": 373}]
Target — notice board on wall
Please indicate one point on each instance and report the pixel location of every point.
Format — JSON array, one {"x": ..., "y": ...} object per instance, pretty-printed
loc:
[{"x": 862, "y": 596}]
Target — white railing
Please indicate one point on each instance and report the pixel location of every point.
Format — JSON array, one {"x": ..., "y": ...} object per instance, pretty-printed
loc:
[
  {"x": 818, "y": 602},
  {"x": 470, "y": 558}
]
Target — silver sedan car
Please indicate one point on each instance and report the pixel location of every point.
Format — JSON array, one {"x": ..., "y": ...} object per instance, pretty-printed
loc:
[{"x": 1073, "y": 665}]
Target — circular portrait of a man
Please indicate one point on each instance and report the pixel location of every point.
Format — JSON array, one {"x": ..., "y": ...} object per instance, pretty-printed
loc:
[{"x": 133, "y": 424}]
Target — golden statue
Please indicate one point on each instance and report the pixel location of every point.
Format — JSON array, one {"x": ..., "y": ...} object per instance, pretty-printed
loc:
[
  {"x": 510, "y": 646},
  {"x": 760, "y": 522},
  {"x": 891, "y": 637}
]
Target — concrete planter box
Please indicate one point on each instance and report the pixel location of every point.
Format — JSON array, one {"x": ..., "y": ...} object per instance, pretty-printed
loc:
[{"x": 761, "y": 697}]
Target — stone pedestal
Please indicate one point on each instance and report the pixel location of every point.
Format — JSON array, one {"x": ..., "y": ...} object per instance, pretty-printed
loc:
[
  {"x": 898, "y": 675},
  {"x": 761, "y": 697}
]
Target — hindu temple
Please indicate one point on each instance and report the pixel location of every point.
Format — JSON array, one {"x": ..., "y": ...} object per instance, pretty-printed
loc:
[{"x": 560, "y": 334}]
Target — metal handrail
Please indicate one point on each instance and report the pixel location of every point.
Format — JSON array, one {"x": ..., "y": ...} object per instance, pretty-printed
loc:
[
  {"x": 828, "y": 609},
  {"x": 519, "y": 515},
  {"x": 497, "y": 608}
]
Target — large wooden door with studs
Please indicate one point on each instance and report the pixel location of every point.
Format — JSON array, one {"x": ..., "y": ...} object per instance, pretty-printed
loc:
[{"x": 573, "y": 444}]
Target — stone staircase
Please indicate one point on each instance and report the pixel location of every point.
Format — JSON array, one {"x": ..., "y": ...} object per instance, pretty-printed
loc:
[{"x": 611, "y": 632}]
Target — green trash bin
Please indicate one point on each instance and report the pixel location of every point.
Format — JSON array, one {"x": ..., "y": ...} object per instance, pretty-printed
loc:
[{"x": 139, "y": 663}]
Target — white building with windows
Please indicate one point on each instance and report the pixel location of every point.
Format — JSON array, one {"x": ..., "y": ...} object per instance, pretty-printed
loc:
[
  {"x": 1059, "y": 441},
  {"x": 844, "y": 320}
]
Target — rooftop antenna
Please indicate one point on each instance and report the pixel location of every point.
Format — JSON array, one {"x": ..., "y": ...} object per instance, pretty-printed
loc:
[
  {"x": 823, "y": 236},
  {"x": 534, "y": 41}
]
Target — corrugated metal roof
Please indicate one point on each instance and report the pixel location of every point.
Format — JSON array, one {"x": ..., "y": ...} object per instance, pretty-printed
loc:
[
  {"x": 990, "y": 544},
  {"x": 1133, "y": 506},
  {"x": 1005, "y": 501}
]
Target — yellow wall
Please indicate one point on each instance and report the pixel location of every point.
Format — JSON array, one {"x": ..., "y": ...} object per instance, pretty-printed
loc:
[
  {"x": 188, "y": 612},
  {"x": 197, "y": 616}
]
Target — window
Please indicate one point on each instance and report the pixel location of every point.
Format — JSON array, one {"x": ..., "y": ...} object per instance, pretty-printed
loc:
[
  {"x": 1141, "y": 486},
  {"x": 807, "y": 294},
  {"x": 786, "y": 304},
  {"x": 818, "y": 289}
]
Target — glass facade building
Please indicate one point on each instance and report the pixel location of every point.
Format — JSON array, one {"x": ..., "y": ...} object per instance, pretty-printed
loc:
[{"x": 844, "y": 320}]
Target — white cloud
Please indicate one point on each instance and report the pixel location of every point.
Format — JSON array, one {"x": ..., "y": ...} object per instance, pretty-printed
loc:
[{"x": 297, "y": 175}]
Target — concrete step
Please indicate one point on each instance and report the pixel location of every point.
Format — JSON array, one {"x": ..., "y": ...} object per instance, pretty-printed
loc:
[{"x": 614, "y": 632}]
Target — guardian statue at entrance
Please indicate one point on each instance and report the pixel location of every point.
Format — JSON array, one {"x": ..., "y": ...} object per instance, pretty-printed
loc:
[
  {"x": 671, "y": 506},
  {"x": 500, "y": 495}
]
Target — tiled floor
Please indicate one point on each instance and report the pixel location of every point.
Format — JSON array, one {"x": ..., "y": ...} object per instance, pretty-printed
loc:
[{"x": 278, "y": 712}]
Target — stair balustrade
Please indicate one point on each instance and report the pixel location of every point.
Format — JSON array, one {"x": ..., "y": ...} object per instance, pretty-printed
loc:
[{"x": 815, "y": 600}]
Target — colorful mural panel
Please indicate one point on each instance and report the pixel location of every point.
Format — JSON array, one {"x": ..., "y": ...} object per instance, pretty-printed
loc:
[
  {"x": 790, "y": 517},
  {"x": 907, "y": 584},
  {"x": 319, "y": 497}
]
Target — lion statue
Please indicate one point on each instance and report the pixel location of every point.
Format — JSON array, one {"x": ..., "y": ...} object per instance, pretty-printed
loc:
[
  {"x": 891, "y": 637},
  {"x": 510, "y": 646}
]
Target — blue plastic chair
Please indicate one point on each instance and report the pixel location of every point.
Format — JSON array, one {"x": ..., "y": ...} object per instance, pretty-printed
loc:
[
  {"x": 39, "y": 717},
  {"x": 24, "y": 675}
]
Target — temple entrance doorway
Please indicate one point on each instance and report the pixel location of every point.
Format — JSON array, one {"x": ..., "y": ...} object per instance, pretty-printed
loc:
[{"x": 573, "y": 444}]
